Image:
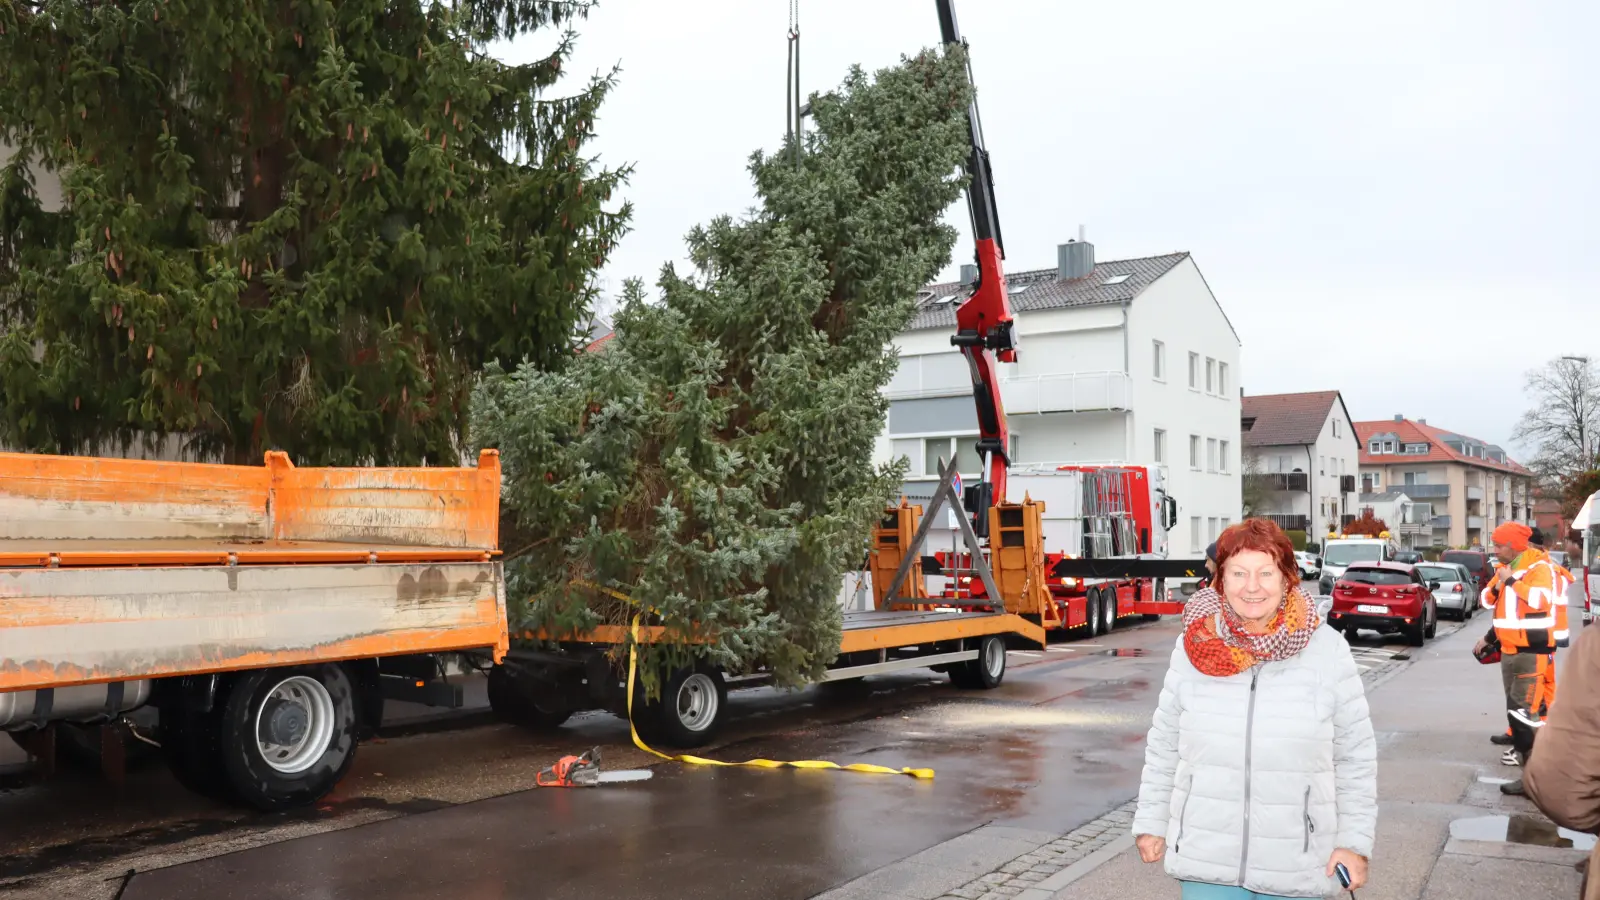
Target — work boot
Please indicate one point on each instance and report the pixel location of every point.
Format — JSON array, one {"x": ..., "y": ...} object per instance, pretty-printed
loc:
[
  {"x": 1513, "y": 789},
  {"x": 1501, "y": 740}
]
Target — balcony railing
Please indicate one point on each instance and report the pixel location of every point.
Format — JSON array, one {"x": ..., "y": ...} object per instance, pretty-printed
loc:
[
  {"x": 1072, "y": 392},
  {"x": 1441, "y": 521},
  {"x": 1475, "y": 522},
  {"x": 1474, "y": 493},
  {"x": 1423, "y": 491},
  {"x": 1284, "y": 481},
  {"x": 1292, "y": 523}
]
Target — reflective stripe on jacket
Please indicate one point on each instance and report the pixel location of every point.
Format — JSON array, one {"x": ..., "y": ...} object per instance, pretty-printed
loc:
[{"x": 1523, "y": 597}]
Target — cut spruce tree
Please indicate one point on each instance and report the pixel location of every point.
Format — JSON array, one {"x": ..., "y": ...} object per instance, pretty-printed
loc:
[
  {"x": 711, "y": 467},
  {"x": 295, "y": 224}
]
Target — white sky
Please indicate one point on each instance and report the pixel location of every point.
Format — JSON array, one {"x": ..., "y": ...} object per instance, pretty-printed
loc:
[{"x": 1394, "y": 199}]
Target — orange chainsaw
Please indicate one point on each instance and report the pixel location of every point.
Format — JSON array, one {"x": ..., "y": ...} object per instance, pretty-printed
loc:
[{"x": 584, "y": 771}]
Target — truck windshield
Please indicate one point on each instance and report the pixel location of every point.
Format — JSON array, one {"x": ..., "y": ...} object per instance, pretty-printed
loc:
[
  {"x": 1345, "y": 554},
  {"x": 1591, "y": 552}
]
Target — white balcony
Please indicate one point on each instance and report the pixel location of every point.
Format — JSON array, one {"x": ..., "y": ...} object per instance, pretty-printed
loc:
[
  {"x": 1474, "y": 493},
  {"x": 1071, "y": 392}
]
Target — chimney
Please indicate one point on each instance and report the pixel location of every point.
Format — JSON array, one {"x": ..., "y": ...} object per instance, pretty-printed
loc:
[
  {"x": 1074, "y": 259},
  {"x": 1399, "y": 418},
  {"x": 969, "y": 273},
  {"x": 1422, "y": 421}
]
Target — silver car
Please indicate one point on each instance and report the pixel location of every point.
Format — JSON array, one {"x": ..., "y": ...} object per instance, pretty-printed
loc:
[{"x": 1453, "y": 593}]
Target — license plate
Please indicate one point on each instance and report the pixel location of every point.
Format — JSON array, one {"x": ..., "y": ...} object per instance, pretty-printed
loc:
[{"x": 1369, "y": 608}]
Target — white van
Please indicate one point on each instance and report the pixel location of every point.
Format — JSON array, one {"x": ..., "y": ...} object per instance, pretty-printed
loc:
[{"x": 1339, "y": 554}]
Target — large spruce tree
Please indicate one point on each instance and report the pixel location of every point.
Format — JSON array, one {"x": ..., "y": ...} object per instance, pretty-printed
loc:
[
  {"x": 714, "y": 462},
  {"x": 292, "y": 224}
]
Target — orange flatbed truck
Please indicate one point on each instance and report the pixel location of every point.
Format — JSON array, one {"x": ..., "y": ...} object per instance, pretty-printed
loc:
[{"x": 266, "y": 612}]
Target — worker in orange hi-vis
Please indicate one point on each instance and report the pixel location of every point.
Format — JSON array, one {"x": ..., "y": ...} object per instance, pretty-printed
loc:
[
  {"x": 1561, "y": 579},
  {"x": 1522, "y": 597}
]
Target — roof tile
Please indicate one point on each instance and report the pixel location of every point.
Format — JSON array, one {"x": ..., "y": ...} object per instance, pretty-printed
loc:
[
  {"x": 1040, "y": 289},
  {"x": 1286, "y": 418},
  {"x": 1409, "y": 432}
]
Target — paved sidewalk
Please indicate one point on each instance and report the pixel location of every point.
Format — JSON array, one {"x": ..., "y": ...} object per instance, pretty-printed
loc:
[{"x": 1437, "y": 773}]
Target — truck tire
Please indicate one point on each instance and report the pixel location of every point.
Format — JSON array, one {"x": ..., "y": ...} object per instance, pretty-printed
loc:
[
  {"x": 1091, "y": 612},
  {"x": 192, "y": 747},
  {"x": 288, "y": 735},
  {"x": 987, "y": 671},
  {"x": 514, "y": 706},
  {"x": 1108, "y": 610},
  {"x": 692, "y": 708}
]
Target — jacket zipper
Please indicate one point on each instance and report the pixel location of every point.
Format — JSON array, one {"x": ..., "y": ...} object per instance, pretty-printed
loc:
[
  {"x": 1183, "y": 812},
  {"x": 1310, "y": 825},
  {"x": 1249, "y": 729}
]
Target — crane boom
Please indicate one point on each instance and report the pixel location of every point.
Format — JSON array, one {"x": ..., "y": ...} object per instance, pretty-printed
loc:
[{"x": 985, "y": 331}]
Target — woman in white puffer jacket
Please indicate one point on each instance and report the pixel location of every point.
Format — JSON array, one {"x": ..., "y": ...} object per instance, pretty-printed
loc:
[{"x": 1260, "y": 768}]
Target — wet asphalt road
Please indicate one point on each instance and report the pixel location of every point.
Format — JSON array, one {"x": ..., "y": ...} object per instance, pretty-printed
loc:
[{"x": 449, "y": 814}]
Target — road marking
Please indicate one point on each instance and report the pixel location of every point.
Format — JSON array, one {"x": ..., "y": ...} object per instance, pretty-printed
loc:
[
  {"x": 1028, "y": 654},
  {"x": 1061, "y": 649}
]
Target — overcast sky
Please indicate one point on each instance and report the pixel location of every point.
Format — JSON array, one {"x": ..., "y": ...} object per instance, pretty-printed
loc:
[{"x": 1395, "y": 199}]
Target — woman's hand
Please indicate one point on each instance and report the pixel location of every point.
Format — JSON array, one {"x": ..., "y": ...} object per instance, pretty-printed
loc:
[
  {"x": 1152, "y": 848},
  {"x": 1354, "y": 862}
]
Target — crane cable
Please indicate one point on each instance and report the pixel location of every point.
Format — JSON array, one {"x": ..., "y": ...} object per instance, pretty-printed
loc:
[{"x": 794, "y": 116}]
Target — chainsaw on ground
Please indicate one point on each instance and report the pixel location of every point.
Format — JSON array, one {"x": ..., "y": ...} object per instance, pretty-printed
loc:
[{"x": 584, "y": 771}]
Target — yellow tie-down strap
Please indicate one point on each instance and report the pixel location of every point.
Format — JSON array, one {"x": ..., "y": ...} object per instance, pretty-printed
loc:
[{"x": 633, "y": 665}]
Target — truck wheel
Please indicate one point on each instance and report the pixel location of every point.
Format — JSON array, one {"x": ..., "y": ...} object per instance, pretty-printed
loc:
[
  {"x": 192, "y": 747},
  {"x": 1091, "y": 612},
  {"x": 987, "y": 671},
  {"x": 288, "y": 735},
  {"x": 691, "y": 710},
  {"x": 1108, "y": 610},
  {"x": 514, "y": 706}
]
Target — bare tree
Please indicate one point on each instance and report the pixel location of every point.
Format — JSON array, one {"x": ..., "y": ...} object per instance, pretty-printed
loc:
[
  {"x": 1563, "y": 425},
  {"x": 1254, "y": 489}
]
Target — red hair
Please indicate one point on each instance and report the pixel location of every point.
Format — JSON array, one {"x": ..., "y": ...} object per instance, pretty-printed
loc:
[{"x": 1265, "y": 536}]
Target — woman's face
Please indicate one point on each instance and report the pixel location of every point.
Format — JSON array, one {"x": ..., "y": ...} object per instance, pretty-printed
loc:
[{"x": 1253, "y": 585}]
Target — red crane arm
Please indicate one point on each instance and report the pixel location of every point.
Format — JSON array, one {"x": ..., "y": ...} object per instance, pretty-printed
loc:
[{"x": 985, "y": 331}]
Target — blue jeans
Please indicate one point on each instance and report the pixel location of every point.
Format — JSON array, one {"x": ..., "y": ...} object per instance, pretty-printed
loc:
[{"x": 1196, "y": 890}]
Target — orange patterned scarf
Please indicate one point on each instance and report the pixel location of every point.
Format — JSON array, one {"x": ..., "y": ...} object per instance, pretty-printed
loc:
[{"x": 1217, "y": 644}]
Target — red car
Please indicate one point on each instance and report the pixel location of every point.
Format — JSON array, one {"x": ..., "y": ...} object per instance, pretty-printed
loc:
[{"x": 1385, "y": 597}]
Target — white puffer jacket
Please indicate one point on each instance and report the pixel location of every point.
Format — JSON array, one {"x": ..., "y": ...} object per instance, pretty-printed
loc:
[{"x": 1255, "y": 779}]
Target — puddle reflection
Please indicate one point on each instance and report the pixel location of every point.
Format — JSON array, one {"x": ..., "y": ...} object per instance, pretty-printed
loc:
[{"x": 1520, "y": 829}]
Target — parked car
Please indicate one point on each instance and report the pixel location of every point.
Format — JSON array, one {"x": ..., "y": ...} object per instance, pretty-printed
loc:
[
  {"x": 1310, "y": 565},
  {"x": 1454, "y": 593},
  {"x": 1386, "y": 597},
  {"x": 1559, "y": 557},
  {"x": 1408, "y": 556},
  {"x": 1476, "y": 562}
]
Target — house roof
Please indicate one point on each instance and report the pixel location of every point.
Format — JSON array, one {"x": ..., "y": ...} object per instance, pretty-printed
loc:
[
  {"x": 1286, "y": 418},
  {"x": 1408, "y": 432},
  {"x": 1040, "y": 289},
  {"x": 1385, "y": 497}
]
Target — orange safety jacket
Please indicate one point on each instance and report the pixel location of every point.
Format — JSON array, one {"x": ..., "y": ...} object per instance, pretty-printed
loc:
[
  {"x": 1561, "y": 579},
  {"x": 1522, "y": 595}
]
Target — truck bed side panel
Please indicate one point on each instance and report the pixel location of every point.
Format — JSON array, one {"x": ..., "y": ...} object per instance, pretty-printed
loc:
[
  {"x": 76, "y": 626},
  {"x": 436, "y": 507},
  {"x": 61, "y": 497}
]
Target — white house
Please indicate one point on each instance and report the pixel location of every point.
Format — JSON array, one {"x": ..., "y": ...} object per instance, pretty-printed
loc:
[
  {"x": 1409, "y": 521},
  {"x": 1306, "y": 456},
  {"x": 1124, "y": 361}
]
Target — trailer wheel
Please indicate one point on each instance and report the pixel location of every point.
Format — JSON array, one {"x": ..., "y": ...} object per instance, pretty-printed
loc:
[
  {"x": 987, "y": 671},
  {"x": 192, "y": 747},
  {"x": 1108, "y": 610},
  {"x": 512, "y": 705},
  {"x": 691, "y": 710},
  {"x": 288, "y": 735},
  {"x": 1091, "y": 612}
]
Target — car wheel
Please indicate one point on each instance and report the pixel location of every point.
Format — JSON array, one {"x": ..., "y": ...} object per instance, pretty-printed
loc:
[{"x": 1432, "y": 613}]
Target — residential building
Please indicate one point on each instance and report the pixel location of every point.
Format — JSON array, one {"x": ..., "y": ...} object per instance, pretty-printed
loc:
[
  {"x": 1549, "y": 518},
  {"x": 1303, "y": 457},
  {"x": 1410, "y": 521},
  {"x": 1127, "y": 361},
  {"x": 1473, "y": 485}
]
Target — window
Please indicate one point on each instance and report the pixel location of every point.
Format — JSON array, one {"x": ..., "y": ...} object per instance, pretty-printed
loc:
[
  {"x": 1375, "y": 447},
  {"x": 1116, "y": 279},
  {"x": 1211, "y": 375},
  {"x": 1416, "y": 448},
  {"x": 1222, "y": 457},
  {"x": 1160, "y": 362},
  {"x": 1222, "y": 379},
  {"x": 1322, "y": 465},
  {"x": 964, "y": 450},
  {"x": 911, "y": 452},
  {"x": 1211, "y": 528},
  {"x": 1211, "y": 454},
  {"x": 1388, "y": 446},
  {"x": 1336, "y": 428},
  {"x": 1222, "y": 524},
  {"x": 1194, "y": 371},
  {"x": 1194, "y": 452},
  {"x": 1016, "y": 456},
  {"x": 1194, "y": 534},
  {"x": 1161, "y": 446}
]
